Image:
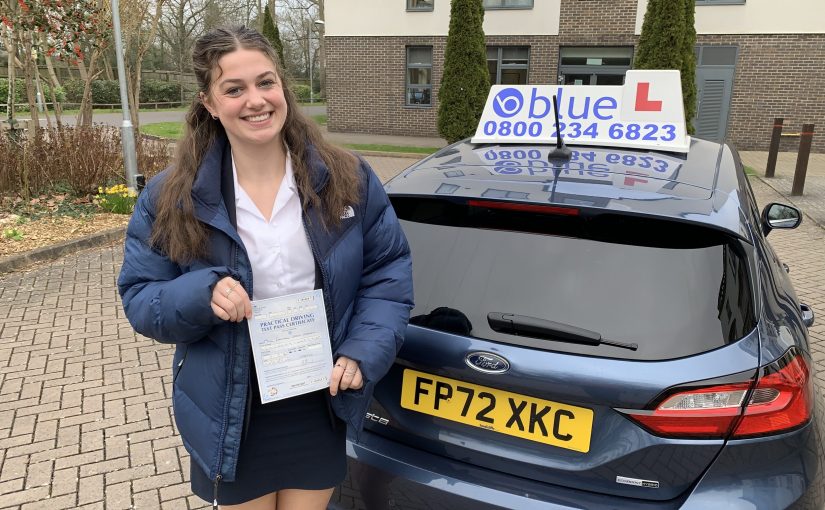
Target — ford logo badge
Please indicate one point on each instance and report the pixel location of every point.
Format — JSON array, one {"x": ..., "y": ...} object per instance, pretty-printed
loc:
[{"x": 487, "y": 362}]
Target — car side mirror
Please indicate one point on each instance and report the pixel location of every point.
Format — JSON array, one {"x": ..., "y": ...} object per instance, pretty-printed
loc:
[
  {"x": 780, "y": 216},
  {"x": 807, "y": 315}
]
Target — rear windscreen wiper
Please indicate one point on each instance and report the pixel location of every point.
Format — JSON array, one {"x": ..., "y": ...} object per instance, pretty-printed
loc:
[{"x": 523, "y": 325}]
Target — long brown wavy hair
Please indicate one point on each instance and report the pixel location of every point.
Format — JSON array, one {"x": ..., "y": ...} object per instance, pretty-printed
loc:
[{"x": 176, "y": 232}]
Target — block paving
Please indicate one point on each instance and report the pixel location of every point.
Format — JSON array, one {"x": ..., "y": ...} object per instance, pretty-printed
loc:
[{"x": 85, "y": 412}]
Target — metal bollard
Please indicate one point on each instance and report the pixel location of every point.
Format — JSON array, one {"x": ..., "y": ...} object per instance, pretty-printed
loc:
[
  {"x": 773, "y": 152},
  {"x": 805, "y": 140}
]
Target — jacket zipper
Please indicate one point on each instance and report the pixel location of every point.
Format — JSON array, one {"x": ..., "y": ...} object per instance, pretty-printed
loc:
[
  {"x": 180, "y": 364},
  {"x": 324, "y": 277},
  {"x": 327, "y": 307},
  {"x": 215, "y": 492},
  {"x": 219, "y": 477}
]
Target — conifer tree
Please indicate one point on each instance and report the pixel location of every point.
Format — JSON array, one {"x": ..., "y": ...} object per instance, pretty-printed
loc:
[
  {"x": 466, "y": 80},
  {"x": 667, "y": 41},
  {"x": 688, "y": 68},
  {"x": 270, "y": 31}
]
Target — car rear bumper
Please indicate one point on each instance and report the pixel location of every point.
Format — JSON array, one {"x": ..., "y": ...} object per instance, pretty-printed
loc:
[
  {"x": 764, "y": 474},
  {"x": 414, "y": 479}
]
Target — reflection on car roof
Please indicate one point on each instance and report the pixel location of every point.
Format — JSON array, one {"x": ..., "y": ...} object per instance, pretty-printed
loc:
[{"x": 700, "y": 186}]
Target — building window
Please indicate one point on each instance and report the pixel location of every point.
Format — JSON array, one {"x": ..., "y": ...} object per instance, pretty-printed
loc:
[
  {"x": 594, "y": 66},
  {"x": 419, "y": 75},
  {"x": 419, "y": 5},
  {"x": 720, "y": 2},
  {"x": 508, "y": 4},
  {"x": 508, "y": 64}
]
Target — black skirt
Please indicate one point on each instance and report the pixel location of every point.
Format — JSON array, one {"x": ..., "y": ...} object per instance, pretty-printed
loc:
[{"x": 296, "y": 443}]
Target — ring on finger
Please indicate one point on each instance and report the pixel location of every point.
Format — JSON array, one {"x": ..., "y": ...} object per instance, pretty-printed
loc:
[
  {"x": 350, "y": 372},
  {"x": 229, "y": 291}
]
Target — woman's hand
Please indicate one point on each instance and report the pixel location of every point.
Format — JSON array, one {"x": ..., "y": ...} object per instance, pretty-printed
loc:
[
  {"x": 345, "y": 376},
  {"x": 230, "y": 301}
]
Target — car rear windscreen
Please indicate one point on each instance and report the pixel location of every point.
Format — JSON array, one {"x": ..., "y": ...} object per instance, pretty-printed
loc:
[{"x": 650, "y": 289}]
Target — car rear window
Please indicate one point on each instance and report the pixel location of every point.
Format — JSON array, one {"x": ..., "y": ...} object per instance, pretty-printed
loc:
[{"x": 673, "y": 289}]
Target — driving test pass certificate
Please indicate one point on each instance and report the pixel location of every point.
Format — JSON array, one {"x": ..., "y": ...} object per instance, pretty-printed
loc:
[{"x": 290, "y": 344}]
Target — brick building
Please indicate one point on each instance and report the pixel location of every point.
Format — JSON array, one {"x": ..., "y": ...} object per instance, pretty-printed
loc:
[{"x": 756, "y": 60}]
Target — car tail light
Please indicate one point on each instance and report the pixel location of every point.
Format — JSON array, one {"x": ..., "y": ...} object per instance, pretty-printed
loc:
[
  {"x": 533, "y": 208},
  {"x": 700, "y": 413},
  {"x": 780, "y": 401}
]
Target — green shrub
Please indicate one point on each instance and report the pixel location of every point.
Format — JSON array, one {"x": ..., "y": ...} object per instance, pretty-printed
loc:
[
  {"x": 159, "y": 91},
  {"x": 103, "y": 91},
  {"x": 301, "y": 92},
  {"x": 13, "y": 233},
  {"x": 59, "y": 92},
  {"x": 21, "y": 100},
  {"x": 74, "y": 90}
]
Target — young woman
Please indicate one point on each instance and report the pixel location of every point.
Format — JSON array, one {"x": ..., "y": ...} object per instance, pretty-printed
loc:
[{"x": 257, "y": 196}]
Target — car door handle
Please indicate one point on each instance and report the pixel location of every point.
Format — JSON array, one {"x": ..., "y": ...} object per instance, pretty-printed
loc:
[{"x": 807, "y": 314}]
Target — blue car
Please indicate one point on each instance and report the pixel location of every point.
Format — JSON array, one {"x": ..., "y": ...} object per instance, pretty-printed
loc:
[{"x": 609, "y": 330}]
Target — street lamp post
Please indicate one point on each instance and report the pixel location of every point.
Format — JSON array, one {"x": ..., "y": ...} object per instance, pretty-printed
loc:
[
  {"x": 127, "y": 133},
  {"x": 318, "y": 23}
]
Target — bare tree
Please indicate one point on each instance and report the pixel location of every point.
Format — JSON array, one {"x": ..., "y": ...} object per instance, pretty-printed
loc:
[
  {"x": 10, "y": 40},
  {"x": 299, "y": 34},
  {"x": 139, "y": 24},
  {"x": 181, "y": 23}
]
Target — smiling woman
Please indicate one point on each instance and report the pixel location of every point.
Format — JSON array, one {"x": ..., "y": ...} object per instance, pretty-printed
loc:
[{"x": 255, "y": 191}]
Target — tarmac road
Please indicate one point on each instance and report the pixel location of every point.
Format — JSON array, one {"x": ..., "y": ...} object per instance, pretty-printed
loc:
[{"x": 150, "y": 117}]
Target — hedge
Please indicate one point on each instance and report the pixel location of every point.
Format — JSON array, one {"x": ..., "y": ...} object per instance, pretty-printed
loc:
[
  {"x": 20, "y": 93},
  {"x": 108, "y": 91}
]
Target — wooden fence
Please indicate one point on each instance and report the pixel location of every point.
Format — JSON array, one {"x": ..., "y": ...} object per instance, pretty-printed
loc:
[{"x": 101, "y": 106}]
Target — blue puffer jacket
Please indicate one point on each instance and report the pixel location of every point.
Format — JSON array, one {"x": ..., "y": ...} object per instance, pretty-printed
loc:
[{"x": 365, "y": 271}]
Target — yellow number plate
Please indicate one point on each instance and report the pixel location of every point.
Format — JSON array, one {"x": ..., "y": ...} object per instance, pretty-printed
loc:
[{"x": 509, "y": 413}]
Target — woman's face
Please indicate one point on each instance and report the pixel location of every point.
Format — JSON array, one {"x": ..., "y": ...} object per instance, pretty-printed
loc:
[{"x": 247, "y": 97}]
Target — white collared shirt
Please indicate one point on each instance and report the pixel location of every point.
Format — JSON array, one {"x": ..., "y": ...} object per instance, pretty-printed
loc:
[{"x": 278, "y": 249}]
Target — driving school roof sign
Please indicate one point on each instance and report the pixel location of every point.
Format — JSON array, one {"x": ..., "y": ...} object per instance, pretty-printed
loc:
[{"x": 646, "y": 113}]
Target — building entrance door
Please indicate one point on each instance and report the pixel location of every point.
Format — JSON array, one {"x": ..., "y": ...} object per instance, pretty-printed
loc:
[{"x": 715, "y": 69}]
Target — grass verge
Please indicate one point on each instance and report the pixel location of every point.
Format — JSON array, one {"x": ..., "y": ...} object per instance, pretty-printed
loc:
[
  {"x": 175, "y": 129},
  {"x": 390, "y": 148},
  {"x": 163, "y": 129}
]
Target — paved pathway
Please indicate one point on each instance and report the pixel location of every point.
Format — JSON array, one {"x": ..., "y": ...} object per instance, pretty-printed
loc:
[
  {"x": 812, "y": 200},
  {"x": 85, "y": 418}
]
